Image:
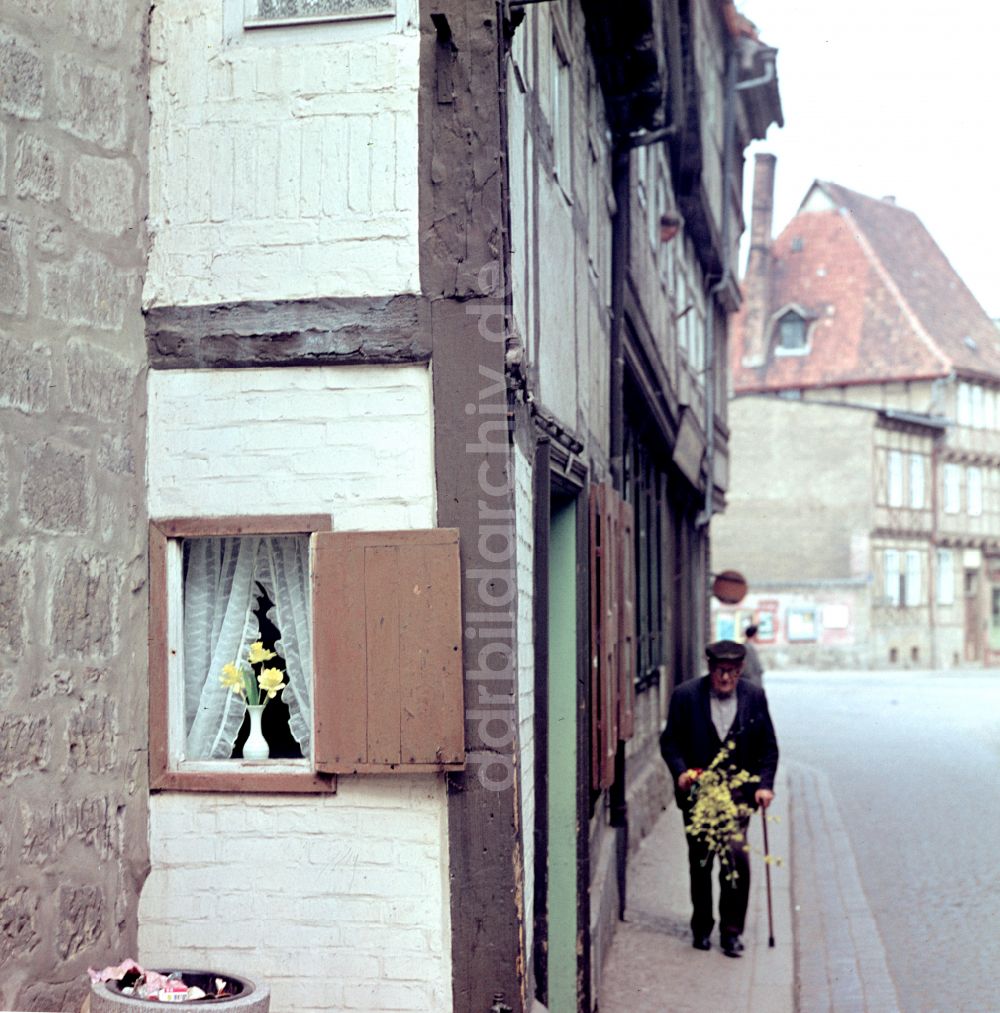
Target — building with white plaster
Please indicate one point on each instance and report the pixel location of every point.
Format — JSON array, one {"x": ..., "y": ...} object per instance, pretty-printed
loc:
[{"x": 424, "y": 383}]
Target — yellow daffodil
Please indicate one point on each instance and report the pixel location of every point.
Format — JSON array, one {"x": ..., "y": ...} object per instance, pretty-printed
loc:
[
  {"x": 258, "y": 653},
  {"x": 270, "y": 681},
  {"x": 232, "y": 678}
]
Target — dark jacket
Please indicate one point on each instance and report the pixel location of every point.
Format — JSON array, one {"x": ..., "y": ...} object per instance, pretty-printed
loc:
[{"x": 690, "y": 739}]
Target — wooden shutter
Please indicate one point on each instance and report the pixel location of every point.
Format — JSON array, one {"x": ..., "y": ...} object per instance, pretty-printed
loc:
[
  {"x": 626, "y": 621},
  {"x": 387, "y": 651},
  {"x": 603, "y": 636}
]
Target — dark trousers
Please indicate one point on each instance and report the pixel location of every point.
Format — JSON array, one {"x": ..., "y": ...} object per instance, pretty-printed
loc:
[{"x": 734, "y": 891}]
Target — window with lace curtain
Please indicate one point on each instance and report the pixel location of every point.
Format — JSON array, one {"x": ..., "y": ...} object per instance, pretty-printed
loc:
[
  {"x": 363, "y": 630},
  {"x": 239, "y": 591}
]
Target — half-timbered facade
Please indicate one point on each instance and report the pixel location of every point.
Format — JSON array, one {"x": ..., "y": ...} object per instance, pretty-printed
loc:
[
  {"x": 854, "y": 312},
  {"x": 430, "y": 417}
]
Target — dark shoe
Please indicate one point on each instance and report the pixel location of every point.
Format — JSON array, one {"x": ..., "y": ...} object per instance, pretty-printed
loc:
[
  {"x": 732, "y": 945},
  {"x": 702, "y": 943}
]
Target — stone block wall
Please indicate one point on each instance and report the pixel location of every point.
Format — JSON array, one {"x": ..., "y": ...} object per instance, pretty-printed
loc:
[{"x": 73, "y": 798}]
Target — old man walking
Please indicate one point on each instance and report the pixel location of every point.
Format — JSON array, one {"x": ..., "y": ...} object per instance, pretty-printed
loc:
[{"x": 706, "y": 715}]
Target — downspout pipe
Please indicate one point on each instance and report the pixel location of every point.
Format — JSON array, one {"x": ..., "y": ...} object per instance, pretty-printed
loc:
[
  {"x": 620, "y": 226},
  {"x": 729, "y": 129}
]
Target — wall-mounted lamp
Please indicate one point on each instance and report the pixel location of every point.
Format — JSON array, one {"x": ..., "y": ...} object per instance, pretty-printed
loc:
[{"x": 670, "y": 225}]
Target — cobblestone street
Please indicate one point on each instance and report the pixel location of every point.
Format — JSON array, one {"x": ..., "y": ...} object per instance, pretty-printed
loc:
[
  {"x": 886, "y": 902},
  {"x": 894, "y": 810}
]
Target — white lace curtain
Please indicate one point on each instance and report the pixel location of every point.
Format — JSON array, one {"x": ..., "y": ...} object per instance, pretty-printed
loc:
[{"x": 220, "y": 596}]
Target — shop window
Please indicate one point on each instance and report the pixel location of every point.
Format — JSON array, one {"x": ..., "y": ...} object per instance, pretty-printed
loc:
[{"x": 361, "y": 631}]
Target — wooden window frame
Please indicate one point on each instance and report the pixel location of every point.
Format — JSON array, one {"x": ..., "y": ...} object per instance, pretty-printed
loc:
[
  {"x": 163, "y": 776},
  {"x": 407, "y": 684}
]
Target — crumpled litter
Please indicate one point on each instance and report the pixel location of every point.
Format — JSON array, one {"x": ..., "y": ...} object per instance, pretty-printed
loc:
[{"x": 136, "y": 980}]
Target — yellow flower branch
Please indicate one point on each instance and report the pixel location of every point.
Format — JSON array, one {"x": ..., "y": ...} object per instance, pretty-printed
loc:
[
  {"x": 258, "y": 686},
  {"x": 716, "y": 816}
]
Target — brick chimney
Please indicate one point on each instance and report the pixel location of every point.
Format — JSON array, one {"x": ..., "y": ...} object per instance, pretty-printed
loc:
[{"x": 757, "y": 282}]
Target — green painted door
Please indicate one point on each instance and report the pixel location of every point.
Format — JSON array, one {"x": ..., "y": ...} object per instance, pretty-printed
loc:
[{"x": 562, "y": 760}]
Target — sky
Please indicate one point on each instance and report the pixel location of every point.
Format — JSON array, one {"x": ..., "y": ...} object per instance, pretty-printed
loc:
[{"x": 897, "y": 97}]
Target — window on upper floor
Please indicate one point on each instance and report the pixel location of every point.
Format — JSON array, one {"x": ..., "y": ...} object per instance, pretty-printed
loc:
[
  {"x": 978, "y": 407},
  {"x": 945, "y": 577},
  {"x": 916, "y": 481},
  {"x": 792, "y": 332},
  {"x": 963, "y": 404},
  {"x": 913, "y": 579},
  {"x": 562, "y": 83},
  {"x": 895, "y": 478},
  {"x": 952, "y": 479},
  {"x": 657, "y": 211},
  {"x": 974, "y": 491},
  {"x": 351, "y": 642}
]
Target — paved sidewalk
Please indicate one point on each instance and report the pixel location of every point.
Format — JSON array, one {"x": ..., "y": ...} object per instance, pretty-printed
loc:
[
  {"x": 842, "y": 966},
  {"x": 652, "y": 967}
]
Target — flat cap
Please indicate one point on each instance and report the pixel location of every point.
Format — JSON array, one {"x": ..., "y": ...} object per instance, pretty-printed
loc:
[{"x": 725, "y": 650}]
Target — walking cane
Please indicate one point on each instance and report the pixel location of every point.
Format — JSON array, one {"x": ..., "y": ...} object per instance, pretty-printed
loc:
[{"x": 767, "y": 876}]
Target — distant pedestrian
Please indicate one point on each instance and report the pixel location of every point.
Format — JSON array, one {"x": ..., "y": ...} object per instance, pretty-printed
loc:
[
  {"x": 719, "y": 713},
  {"x": 753, "y": 670}
]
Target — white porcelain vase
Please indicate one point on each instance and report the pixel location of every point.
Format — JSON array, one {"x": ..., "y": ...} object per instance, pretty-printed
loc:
[{"x": 255, "y": 747}]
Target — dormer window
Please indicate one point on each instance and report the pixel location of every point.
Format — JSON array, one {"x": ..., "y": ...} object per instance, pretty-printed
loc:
[{"x": 791, "y": 332}]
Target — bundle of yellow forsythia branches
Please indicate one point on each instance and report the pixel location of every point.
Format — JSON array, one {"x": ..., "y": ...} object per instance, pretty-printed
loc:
[{"x": 715, "y": 815}]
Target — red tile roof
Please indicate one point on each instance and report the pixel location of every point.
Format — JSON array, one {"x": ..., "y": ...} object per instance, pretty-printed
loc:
[{"x": 885, "y": 302}]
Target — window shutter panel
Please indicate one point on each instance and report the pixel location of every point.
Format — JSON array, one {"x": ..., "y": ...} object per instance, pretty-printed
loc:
[
  {"x": 626, "y": 622},
  {"x": 609, "y": 628},
  {"x": 387, "y": 656}
]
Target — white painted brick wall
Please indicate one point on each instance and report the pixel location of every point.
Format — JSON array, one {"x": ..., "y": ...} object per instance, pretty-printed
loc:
[
  {"x": 524, "y": 507},
  {"x": 353, "y": 441},
  {"x": 339, "y": 903},
  {"x": 282, "y": 160}
]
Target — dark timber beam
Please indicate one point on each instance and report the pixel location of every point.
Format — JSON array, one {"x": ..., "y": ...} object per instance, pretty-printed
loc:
[
  {"x": 357, "y": 330},
  {"x": 463, "y": 273}
]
